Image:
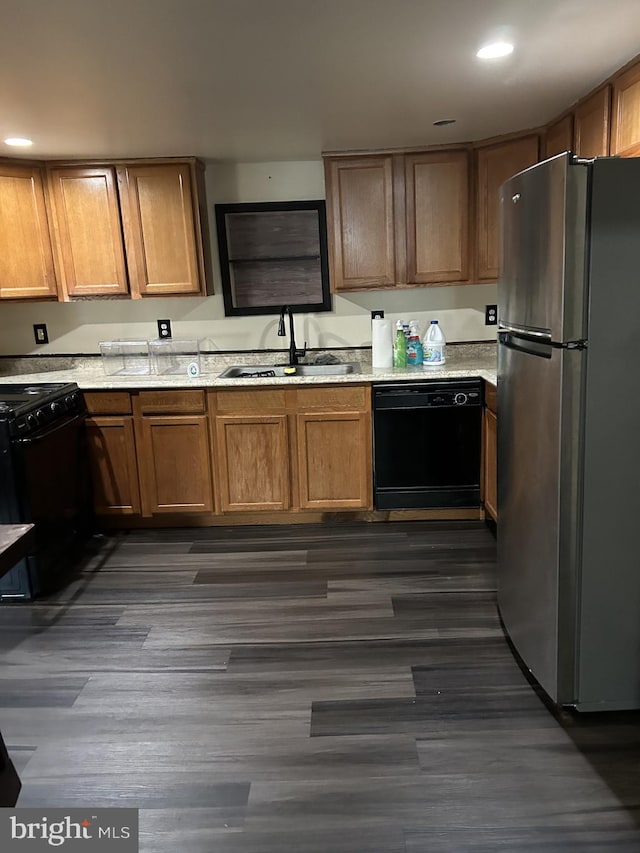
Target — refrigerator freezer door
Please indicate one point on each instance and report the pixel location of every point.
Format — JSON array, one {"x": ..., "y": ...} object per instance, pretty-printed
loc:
[
  {"x": 538, "y": 446},
  {"x": 541, "y": 283}
]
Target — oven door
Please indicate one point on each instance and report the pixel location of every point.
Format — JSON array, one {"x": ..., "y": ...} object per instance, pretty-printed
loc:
[{"x": 52, "y": 491}]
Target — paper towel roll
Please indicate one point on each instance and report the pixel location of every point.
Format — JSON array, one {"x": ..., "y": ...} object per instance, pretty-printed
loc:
[{"x": 381, "y": 343}]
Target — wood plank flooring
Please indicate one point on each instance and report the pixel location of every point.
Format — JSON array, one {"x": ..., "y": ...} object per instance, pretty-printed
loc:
[{"x": 313, "y": 689}]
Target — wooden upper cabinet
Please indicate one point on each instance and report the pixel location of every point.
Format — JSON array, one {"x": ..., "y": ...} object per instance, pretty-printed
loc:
[
  {"x": 361, "y": 222},
  {"x": 162, "y": 236},
  {"x": 559, "y": 137},
  {"x": 26, "y": 257},
  {"x": 497, "y": 163},
  {"x": 625, "y": 114},
  {"x": 591, "y": 128},
  {"x": 437, "y": 217},
  {"x": 88, "y": 232}
]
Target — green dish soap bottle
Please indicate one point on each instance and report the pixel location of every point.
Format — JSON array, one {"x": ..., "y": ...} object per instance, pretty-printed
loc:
[{"x": 400, "y": 346}]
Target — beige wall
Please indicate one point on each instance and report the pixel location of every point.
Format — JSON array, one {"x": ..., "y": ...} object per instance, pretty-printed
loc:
[{"x": 78, "y": 327}]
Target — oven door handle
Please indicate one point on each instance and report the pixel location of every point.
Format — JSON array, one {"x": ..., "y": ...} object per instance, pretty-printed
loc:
[{"x": 56, "y": 427}]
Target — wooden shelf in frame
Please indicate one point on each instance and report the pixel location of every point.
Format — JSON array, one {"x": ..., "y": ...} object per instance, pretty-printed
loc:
[{"x": 273, "y": 254}]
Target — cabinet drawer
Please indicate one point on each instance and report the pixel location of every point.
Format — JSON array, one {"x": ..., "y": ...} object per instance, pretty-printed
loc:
[
  {"x": 108, "y": 402},
  {"x": 241, "y": 402},
  {"x": 355, "y": 397},
  {"x": 167, "y": 402},
  {"x": 491, "y": 397}
]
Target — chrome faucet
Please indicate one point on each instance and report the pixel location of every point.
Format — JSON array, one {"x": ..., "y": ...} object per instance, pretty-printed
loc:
[{"x": 294, "y": 354}]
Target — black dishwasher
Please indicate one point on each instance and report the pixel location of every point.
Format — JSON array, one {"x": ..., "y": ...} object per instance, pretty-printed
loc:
[{"x": 427, "y": 444}]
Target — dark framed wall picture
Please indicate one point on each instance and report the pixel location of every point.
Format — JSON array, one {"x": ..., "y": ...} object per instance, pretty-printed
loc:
[{"x": 273, "y": 254}]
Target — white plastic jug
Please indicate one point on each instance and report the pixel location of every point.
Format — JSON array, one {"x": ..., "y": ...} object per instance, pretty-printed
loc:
[{"x": 434, "y": 346}]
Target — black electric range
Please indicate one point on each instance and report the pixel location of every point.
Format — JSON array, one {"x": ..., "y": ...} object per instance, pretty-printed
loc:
[
  {"x": 26, "y": 408},
  {"x": 43, "y": 480}
]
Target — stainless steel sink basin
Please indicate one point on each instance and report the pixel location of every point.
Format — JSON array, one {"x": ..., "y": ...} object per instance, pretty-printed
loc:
[{"x": 264, "y": 371}]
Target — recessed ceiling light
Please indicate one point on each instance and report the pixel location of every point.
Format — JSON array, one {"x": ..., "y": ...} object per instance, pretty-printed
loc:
[
  {"x": 443, "y": 122},
  {"x": 18, "y": 141},
  {"x": 495, "y": 50}
]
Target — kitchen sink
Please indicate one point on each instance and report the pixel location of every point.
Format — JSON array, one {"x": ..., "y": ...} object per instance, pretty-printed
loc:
[{"x": 264, "y": 371}]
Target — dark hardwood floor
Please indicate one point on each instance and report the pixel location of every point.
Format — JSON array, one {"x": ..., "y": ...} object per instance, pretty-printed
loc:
[{"x": 308, "y": 689}]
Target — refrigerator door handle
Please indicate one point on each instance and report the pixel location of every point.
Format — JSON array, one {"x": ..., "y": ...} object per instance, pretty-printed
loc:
[
  {"x": 528, "y": 344},
  {"x": 540, "y": 335}
]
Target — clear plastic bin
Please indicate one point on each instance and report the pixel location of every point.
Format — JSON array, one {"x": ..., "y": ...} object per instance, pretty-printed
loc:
[
  {"x": 175, "y": 356},
  {"x": 125, "y": 357}
]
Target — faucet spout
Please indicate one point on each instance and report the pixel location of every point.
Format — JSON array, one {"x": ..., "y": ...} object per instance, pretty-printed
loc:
[{"x": 294, "y": 352}]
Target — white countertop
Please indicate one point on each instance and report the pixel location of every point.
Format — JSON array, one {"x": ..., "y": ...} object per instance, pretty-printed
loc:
[{"x": 473, "y": 360}]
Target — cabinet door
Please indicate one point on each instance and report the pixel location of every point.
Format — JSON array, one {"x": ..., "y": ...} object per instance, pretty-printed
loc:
[
  {"x": 497, "y": 163},
  {"x": 437, "y": 220},
  {"x": 559, "y": 137},
  {"x": 334, "y": 460},
  {"x": 490, "y": 464},
  {"x": 591, "y": 130},
  {"x": 625, "y": 114},
  {"x": 361, "y": 222},
  {"x": 26, "y": 258},
  {"x": 88, "y": 232},
  {"x": 252, "y": 462},
  {"x": 160, "y": 217},
  {"x": 114, "y": 471},
  {"x": 175, "y": 468}
]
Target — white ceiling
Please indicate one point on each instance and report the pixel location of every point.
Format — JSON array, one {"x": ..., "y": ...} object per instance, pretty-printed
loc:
[{"x": 260, "y": 80}]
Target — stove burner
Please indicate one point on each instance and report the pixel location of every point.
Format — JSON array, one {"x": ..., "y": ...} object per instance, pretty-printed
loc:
[{"x": 259, "y": 374}]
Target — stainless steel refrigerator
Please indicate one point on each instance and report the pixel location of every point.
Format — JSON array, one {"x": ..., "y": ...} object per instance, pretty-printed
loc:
[{"x": 569, "y": 428}]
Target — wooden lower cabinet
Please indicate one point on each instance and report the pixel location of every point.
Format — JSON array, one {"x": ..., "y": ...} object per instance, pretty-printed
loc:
[
  {"x": 295, "y": 449},
  {"x": 174, "y": 464},
  {"x": 491, "y": 453},
  {"x": 155, "y": 453},
  {"x": 334, "y": 460},
  {"x": 149, "y": 452},
  {"x": 113, "y": 465},
  {"x": 253, "y": 462}
]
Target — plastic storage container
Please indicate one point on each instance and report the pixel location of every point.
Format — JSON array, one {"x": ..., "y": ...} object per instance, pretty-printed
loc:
[
  {"x": 175, "y": 356},
  {"x": 434, "y": 346},
  {"x": 125, "y": 357}
]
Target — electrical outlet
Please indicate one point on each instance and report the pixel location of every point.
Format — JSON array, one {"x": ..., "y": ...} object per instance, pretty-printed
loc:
[
  {"x": 164, "y": 328},
  {"x": 490, "y": 315},
  {"x": 375, "y": 314},
  {"x": 40, "y": 333}
]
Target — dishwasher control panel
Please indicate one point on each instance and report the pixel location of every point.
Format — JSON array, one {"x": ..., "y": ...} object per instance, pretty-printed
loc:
[{"x": 428, "y": 394}]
